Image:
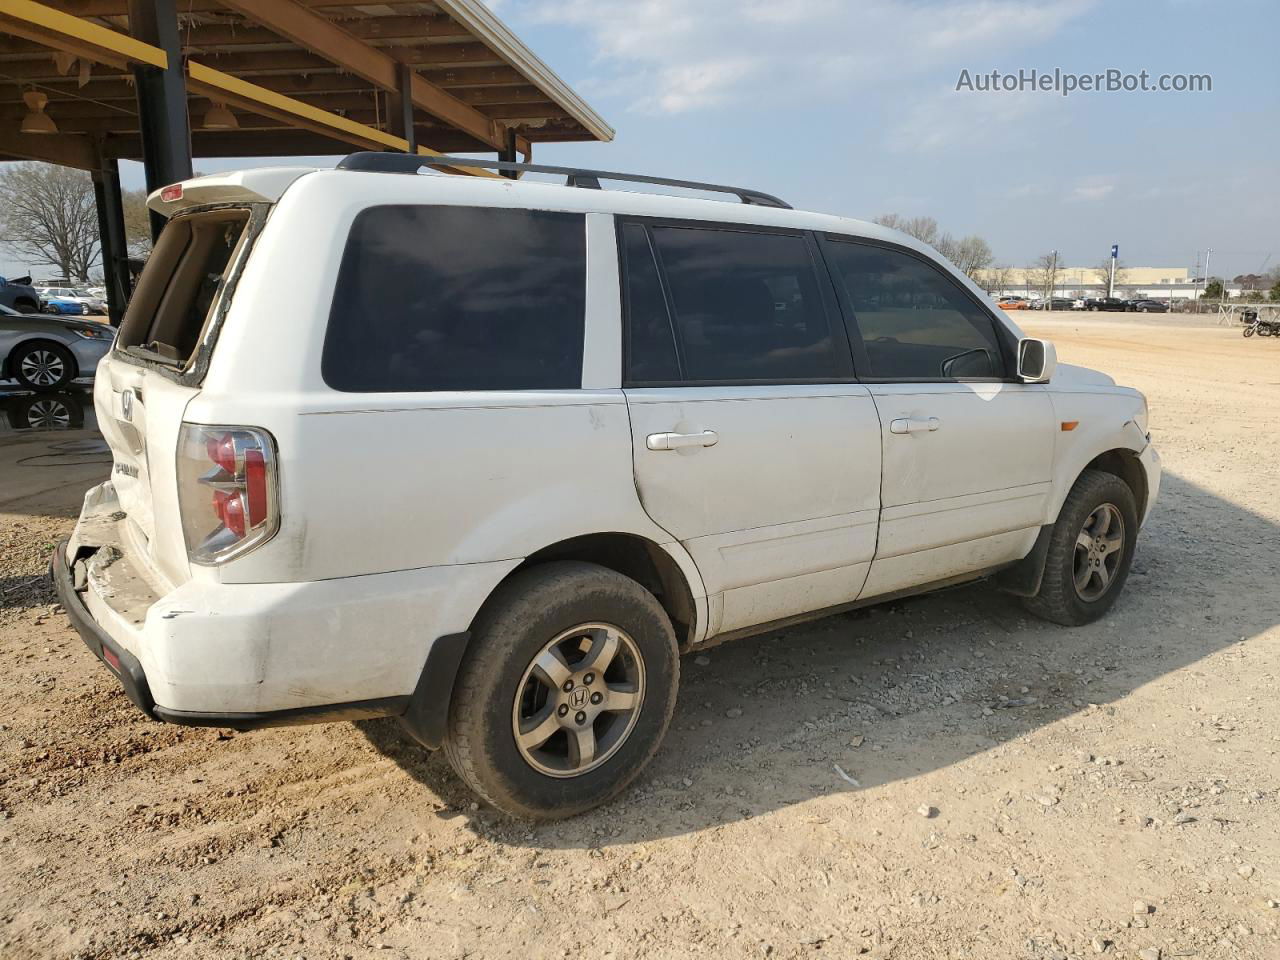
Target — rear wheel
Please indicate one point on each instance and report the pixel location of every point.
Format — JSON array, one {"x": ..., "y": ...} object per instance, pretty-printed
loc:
[
  {"x": 42, "y": 365},
  {"x": 565, "y": 692},
  {"x": 1090, "y": 551}
]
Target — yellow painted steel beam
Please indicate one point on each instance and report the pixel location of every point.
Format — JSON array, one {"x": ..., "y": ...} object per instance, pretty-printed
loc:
[{"x": 47, "y": 25}]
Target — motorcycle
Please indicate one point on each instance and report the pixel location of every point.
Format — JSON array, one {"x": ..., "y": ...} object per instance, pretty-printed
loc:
[{"x": 1263, "y": 328}]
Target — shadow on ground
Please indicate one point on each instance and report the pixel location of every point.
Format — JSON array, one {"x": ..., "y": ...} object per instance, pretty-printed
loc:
[{"x": 925, "y": 682}]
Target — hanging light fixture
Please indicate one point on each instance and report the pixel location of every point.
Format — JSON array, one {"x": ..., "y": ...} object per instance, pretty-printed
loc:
[
  {"x": 219, "y": 117},
  {"x": 36, "y": 120}
]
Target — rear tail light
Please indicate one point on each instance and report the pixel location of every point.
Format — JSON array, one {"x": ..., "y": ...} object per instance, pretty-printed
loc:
[{"x": 226, "y": 490}]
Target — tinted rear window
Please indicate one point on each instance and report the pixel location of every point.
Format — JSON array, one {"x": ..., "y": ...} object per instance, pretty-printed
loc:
[{"x": 458, "y": 298}]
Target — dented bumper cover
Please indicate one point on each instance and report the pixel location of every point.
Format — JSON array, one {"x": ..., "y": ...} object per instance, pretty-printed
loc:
[{"x": 247, "y": 655}]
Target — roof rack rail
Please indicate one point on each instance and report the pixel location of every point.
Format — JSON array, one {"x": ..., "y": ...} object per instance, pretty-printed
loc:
[{"x": 574, "y": 176}]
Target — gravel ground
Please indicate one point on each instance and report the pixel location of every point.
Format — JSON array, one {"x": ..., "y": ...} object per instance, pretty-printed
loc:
[{"x": 1022, "y": 790}]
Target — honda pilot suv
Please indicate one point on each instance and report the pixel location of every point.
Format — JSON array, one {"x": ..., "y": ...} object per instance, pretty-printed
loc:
[{"x": 488, "y": 455}]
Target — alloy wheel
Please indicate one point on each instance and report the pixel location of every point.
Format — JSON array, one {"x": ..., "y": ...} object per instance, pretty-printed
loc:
[
  {"x": 1099, "y": 550},
  {"x": 578, "y": 700},
  {"x": 43, "y": 367}
]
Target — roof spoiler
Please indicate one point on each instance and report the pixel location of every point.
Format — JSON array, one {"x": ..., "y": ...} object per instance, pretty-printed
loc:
[{"x": 261, "y": 185}]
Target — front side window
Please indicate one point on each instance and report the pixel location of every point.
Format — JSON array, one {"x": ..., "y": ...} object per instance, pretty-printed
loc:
[
  {"x": 916, "y": 323},
  {"x": 458, "y": 298},
  {"x": 747, "y": 307}
]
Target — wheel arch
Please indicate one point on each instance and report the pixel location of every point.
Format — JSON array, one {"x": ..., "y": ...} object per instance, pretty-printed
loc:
[
  {"x": 665, "y": 570},
  {"x": 1024, "y": 577},
  {"x": 654, "y": 566},
  {"x": 1123, "y": 462}
]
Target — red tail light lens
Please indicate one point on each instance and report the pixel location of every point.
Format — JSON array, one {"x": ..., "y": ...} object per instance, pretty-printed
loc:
[
  {"x": 171, "y": 193},
  {"x": 226, "y": 489}
]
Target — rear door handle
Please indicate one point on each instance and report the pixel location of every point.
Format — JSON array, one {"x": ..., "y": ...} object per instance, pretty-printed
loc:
[
  {"x": 914, "y": 425},
  {"x": 674, "y": 441}
]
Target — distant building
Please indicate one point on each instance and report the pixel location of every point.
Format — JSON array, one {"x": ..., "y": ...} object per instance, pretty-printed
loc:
[{"x": 1165, "y": 283}]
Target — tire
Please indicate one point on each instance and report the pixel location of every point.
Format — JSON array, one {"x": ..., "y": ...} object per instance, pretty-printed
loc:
[
  {"x": 1094, "y": 309},
  {"x": 1059, "y": 598},
  {"x": 42, "y": 365},
  {"x": 561, "y": 606},
  {"x": 1248, "y": 331}
]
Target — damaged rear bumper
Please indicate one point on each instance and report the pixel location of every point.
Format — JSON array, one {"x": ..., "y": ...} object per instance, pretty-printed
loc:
[
  {"x": 247, "y": 655},
  {"x": 116, "y": 658},
  {"x": 129, "y": 671}
]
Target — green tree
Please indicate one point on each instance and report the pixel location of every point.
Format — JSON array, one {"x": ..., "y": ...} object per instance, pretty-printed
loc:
[{"x": 1213, "y": 289}]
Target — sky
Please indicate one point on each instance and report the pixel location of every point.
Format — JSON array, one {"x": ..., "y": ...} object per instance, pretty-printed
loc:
[{"x": 853, "y": 109}]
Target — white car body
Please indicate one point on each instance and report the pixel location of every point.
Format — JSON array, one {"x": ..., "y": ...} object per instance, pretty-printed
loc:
[{"x": 399, "y": 514}]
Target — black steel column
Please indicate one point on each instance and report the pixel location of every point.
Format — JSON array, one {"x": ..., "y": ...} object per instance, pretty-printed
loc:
[
  {"x": 400, "y": 109},
  {"x": 162, "y": 99},
  {"x": 508, "y": 153},
  {"x": 115, "y": 246}
]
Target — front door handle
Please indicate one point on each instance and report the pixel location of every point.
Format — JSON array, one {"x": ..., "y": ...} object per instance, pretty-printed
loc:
[
  {"x": 674, "y": 441},
  {"x": 914, "y": 425}
]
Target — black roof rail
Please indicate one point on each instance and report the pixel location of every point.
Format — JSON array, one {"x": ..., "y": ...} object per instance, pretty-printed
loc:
[{"x": 574, "y": 176}]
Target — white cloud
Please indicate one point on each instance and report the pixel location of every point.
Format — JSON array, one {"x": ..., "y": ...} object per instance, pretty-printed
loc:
[
  {"x": 1093, "y": 188},
  {"x": 990, "y": 122},
  {"x": 673, "y": 56}
]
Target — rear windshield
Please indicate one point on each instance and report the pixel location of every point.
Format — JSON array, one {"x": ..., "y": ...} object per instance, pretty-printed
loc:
[
  {"x": 458, "y": 298},
  {"x": 171, "y": 304}
]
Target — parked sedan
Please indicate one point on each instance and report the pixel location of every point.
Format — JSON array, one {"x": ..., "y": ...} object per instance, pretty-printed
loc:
[
  {"x": 64, "y": 307},
  {"x": 1147, "y": 306},
  {"x": 1114, "y": 304},
  {"x": 55, "y": 300},
  {"x": 1053, "y": 303},
  {"x": 46, "y": 353},
  {"x": 1013, "y": 303}
]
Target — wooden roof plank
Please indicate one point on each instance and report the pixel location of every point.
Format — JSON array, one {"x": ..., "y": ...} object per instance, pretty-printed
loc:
[{"x": 325, "y": 38}]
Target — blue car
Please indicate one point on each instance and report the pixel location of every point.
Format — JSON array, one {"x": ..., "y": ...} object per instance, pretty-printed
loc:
[{"x": 60, "y": 305}]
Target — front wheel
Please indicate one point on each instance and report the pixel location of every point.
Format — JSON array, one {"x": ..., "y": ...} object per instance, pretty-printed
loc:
[
  {"x": 1248, "y": 331},
  {"x": 565, "y": 691},
  {"x": 1090, "y": 551}
]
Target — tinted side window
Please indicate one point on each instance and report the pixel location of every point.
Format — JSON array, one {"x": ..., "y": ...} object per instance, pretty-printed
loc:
[
  {"x": 914, "y": 320},
  {"x": 747, "y": 306},
  {"x": 458, "y": 298},
  {"x": 651, "y": 346}
]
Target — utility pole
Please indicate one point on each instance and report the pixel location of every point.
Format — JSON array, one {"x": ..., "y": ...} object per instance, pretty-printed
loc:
[
  {"x": 1053, "y": 280},
  {"x": 1208, "y": 251},
  {"x": 1111, "y": 279}
]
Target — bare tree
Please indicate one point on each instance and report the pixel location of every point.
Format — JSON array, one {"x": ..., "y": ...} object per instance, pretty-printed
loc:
[
  {"x": 1103, "y": 270},
  {"x": 924, "y": 229},
  {"x": 137, "y": 222},
  {"x": 997, "y": 279},
  {"x": 1043, "y": 274},
  {"x": 972, "y": 255},
  {"x": 47, "y": 214}
]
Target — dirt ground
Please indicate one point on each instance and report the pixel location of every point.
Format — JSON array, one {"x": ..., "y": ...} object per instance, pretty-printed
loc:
[{"x": 1026, "y": 791}]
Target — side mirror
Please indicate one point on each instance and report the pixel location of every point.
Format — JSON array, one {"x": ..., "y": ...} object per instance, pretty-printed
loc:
[{"x": 1037, "y": 360}]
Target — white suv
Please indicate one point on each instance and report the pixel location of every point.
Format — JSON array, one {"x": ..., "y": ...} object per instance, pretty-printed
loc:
[{"x": 486, "y": 455}]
